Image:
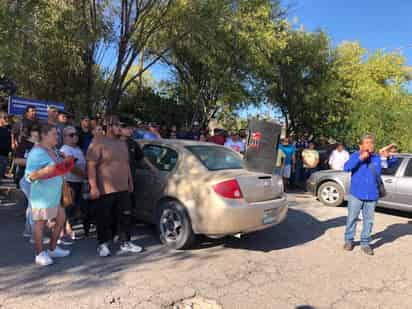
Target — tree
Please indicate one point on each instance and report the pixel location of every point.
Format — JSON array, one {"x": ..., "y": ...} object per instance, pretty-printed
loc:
[
  {"x": 298, "y": 80},
  {"x": 43, "y": 50},
  {"x": 210, "y": 64},
  {"x": 374, "y": 85},
  {"x": 96, "y": 32},
  {"x": 138, "y": 23}
]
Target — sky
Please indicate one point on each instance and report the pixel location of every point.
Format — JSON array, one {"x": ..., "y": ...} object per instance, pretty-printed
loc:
[{"x": 376, "y": 24}]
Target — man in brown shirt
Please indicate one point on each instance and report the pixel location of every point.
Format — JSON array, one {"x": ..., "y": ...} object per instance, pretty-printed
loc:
[{"x": 110, "y": 184}]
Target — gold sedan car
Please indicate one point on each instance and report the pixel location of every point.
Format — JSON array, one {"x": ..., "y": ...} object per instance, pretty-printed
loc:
[{"x": 202, "y": 188}]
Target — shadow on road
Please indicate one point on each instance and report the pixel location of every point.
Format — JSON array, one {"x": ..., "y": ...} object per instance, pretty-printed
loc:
[
  {"x": 394, "y": 212},
  {"x": 298, "y": 228},
  {"x": 392, "y": 233},
  {"x": 19, "y": 275},
  {"x": 83, "y": 268}
]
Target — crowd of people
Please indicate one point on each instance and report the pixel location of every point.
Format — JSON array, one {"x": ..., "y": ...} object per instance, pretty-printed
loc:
[
  {"x": 92, "y": 166},
  {"x": 93, "y": 163},
  {"x": 298, "y": 160}
]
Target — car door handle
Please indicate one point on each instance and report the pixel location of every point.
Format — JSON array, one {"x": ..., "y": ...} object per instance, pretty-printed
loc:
[{"x": 388, "y": 181}]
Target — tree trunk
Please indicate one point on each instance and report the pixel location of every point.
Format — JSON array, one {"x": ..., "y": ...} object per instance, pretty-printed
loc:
[
  {"x": 140, "y": 68},
  {"x": 90, "y": 81}
]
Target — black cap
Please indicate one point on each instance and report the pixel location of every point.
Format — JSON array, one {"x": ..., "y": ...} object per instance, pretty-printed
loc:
[{"x": 127, "y": 122}]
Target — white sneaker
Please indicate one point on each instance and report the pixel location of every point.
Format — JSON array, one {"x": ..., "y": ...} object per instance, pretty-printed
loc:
[
  {"x": 43, "y": 259},
  {"x": 46, "y": 240},
  {"x": 128, "y": 246},
  {"x": 103, "y": 250},
  {"x": 58, "y": 252}
]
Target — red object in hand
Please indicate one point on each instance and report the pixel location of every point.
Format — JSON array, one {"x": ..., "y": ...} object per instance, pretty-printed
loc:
[{"x": 61, "y": 168}]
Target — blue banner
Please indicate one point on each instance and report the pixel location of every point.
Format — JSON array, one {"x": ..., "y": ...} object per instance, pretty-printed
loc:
[{"x": 17, "y": 106}]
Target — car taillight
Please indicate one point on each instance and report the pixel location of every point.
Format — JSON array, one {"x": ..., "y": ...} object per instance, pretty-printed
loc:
[{"x": 228, "y": 189}]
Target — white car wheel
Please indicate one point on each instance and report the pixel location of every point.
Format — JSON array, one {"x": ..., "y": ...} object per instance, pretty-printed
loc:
[{"x": 331, "y": 194}]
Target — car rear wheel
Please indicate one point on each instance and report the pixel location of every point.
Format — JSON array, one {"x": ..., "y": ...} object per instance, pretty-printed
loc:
[
  {"x": 331, "y": 194},
  {"x": 174, "y": 226}
]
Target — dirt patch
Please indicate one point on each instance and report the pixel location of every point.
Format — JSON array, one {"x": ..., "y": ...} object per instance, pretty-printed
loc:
[{"x": 196, "y": 303}]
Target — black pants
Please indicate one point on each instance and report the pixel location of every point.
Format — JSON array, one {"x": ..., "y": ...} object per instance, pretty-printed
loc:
[
  {"x": 73, "y": 211},
  {"x": 113, "y": 214}
]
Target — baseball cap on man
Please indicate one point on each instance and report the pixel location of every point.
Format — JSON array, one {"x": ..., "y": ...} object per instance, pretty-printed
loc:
[
  {"x": 52, "y": 107},
  {"x": 64, "y": 113},
  {"x": 126, "y": 122}
]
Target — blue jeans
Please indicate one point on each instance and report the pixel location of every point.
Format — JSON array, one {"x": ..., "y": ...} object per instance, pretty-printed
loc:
[{"x": 368, "y": 213}]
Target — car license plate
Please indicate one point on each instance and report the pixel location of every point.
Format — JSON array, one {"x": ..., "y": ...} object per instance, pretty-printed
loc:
[{"x": 269, "y": 216}]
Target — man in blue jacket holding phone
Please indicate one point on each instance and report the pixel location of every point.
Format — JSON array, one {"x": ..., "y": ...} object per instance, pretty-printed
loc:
[{"x": 365, "y": 167}]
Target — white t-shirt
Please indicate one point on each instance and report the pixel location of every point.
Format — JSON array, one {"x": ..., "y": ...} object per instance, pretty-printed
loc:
[
  {"x": 77, "y": 153},
  {"x": 236, "y": 146},
  {"x": 338, "y": 159}
]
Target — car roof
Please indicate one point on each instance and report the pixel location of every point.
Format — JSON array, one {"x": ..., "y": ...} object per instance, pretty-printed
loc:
[
  {"x": 177, "y": 142},
  {"x": 405, "y": 155}
]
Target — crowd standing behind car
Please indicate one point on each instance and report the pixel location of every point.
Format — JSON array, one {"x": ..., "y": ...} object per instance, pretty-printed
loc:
[
  {"x": 42, "y": 151},
  {"x": 297, "y": 160},
  {"x": 93, "y": 160}
]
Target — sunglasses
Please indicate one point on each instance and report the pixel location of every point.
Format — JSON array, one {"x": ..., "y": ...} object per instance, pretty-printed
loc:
[{"x": 72, "y": 135}]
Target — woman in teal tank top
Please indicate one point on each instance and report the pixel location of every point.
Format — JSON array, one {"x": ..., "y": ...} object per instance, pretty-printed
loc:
[{"x": 45, "y": 174}]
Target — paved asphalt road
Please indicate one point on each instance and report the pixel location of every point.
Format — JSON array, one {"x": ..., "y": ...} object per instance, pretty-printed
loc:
[{"x": 298, "y": 264}]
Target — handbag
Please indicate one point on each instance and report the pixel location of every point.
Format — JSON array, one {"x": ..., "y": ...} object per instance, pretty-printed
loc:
[
  {"x": 68, "y": 194},
  {"x": 381, "y": 186}
]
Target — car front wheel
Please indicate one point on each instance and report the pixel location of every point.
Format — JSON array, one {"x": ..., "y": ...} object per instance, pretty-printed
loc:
[
  {"x": 331, "y": 194},
  {"x": 174, "y": 226}
]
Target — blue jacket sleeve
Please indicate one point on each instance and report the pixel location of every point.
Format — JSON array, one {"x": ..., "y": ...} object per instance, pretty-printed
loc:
[
  {"x": 392, "y": 161},
  {"x": 352, "y": 163}
]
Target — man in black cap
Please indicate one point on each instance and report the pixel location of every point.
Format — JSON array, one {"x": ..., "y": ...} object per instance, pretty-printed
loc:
[
  {"x": 85, "y": 133},
  {"x": 136, "y": 155},
  {"x": 111, "y": 183},
  {"x": 135, "y": 152}
]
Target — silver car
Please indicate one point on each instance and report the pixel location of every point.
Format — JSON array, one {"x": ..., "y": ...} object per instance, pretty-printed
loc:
[{"x": 332, "y": 187}]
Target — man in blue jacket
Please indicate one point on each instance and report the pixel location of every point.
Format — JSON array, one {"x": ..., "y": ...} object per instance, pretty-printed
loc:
[{"x": 365, "y": 167}]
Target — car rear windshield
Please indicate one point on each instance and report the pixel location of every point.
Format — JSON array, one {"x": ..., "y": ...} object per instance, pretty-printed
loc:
[{"x": 217, "y": 158}]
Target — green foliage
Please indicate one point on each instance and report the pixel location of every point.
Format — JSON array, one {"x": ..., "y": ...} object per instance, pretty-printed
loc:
[
  {"x": 340, "y": 92},
  {"x": 297, "y": 79},
  {"x": 43, "y": 47},
  {"x": 224, "y": 55},
  {"x": 146, "y": 104},
  {"x": 211, "y": 64},
  {"x": 374, "y": 88}
]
